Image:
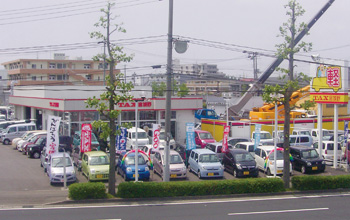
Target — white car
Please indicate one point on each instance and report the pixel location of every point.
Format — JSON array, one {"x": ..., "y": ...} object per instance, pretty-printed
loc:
[
  {"x": 264, "y": 157},
  {"x": 328, "y": 150},
  {"x": 265, "y": 136},
  {"x": 142, "y": 138}
]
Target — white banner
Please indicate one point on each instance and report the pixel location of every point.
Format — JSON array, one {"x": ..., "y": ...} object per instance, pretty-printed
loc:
[
  {"x": 155, "y": 138},
  {"x": 52, "y": 140}
]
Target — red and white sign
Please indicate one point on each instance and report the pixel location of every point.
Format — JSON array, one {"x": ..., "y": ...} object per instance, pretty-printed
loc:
[
  {"x": 54, "y": 104},
  {"x": 52, "y": 139},
  {"x": 224, "y": 140},
  {"x": 85, "y": 139},
  {"x": 156, "y": 134}
]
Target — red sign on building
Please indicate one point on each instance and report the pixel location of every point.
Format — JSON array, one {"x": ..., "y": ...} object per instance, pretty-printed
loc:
[{"x": 54, "y": 104}]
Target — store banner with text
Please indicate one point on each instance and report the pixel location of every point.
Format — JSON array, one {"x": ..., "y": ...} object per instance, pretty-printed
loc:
[
  {"x": 85, "y": 139},
  {"x": 156, "y": 136},
  {"x": 224, "y": 139},
  {"x": 121, "y": 141},
  {"x": 190, "y": 139},
  {"x": 52, "y": 139}
]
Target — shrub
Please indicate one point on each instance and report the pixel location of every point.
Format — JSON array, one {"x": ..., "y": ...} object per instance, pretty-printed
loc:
[
  {"x": 212, "y": 187},
  {"x": 320, "y": 182},
  {"x": 79, "y": 191}
]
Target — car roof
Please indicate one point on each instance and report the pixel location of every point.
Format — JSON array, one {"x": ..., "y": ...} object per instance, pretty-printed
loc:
[
  {"x": 301, "y": 147},
  {"x": 246, "y": 142},
  {"x": 95, "y": 153},
  {"x": 267, "y": 147},
  {"x": 231, "y": 138},
  {"x": 203, "y": 151},
  {"x": 300, "y": 135},
  {"x": 60, "y": 154},
  {"x": 172, "y": 152},
  {"x": 201, "y": 131},
  {"x": 238, "y": 150}
]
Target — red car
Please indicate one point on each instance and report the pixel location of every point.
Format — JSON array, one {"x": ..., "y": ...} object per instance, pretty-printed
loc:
[{"x": 203, "y": 137}]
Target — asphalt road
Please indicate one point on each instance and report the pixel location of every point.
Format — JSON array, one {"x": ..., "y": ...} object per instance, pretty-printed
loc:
[{"x": 260, "y": 208}]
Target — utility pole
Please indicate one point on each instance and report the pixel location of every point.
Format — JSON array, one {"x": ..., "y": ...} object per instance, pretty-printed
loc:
[{"x": 166, "y": 174}]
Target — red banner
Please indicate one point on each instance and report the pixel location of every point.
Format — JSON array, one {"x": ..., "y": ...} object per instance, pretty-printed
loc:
[
  {"x": 224, "y": 140},
  {"x": 156, "y": 133},
  {"x": 85, "y": 139}
]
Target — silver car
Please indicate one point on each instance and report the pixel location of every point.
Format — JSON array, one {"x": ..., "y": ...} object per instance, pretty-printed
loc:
[
  {"x": 55, "y": 168},
  {"x": 177, "y": 166}
]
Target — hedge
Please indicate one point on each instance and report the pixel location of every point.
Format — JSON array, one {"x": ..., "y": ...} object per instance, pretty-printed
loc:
[
  {"x": 320, "y": 182},
  {"x": 199, "y": 188},
  {"x": 79, "y": 191}
]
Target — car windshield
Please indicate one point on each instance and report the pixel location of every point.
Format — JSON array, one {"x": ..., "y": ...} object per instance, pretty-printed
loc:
[
  {"x": 208, "y": 158},
  {"x": 175, "y": 159},
  {"x": 240, "y": 157},
  {"x": 140, "y": 134},
  {"x": 59, "y": 162},
  {"x": 162, "y": 136},
  {"x": 279, "y": 155},
  {"x": 99, "y": 160},
  {"x": 130, "y": 160},
  {"x": 39, "y": 140},
  {"x": 205, "y": 136},
  {"x": 305, "y": 132},
  {"x": 309, "y": 154},
  {"x": 263, "y": 136}
]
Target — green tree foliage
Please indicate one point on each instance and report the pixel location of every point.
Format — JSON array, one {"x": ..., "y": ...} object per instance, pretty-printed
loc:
[
  {"x": 116, "y": 90},
  {"x": 286, "y": 50},
  {"x": 183, "y": 90}
]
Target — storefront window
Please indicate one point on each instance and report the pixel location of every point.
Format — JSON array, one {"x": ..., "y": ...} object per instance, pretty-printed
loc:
[
  {"x": 173, "y": 115},
  {"x": 75, "y": 116},
  {"x": 89, "y": 116},
  {"x": 75, "y": 127},
  {"x": 128, "y": 115},
  {"x": 147, "y": 115}
]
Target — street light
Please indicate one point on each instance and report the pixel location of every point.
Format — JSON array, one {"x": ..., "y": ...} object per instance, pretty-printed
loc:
[{"x": 136, "y": 136}]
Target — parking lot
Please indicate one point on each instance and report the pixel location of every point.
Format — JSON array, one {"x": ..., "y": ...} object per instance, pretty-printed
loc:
[{"x": 20, "y": 173}]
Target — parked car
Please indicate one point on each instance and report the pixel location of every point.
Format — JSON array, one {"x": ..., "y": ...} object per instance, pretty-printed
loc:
[
  {"x": 206, "y": 113},
  {"x": 142, "y": 138},
  {"x": 301, "y": 132},
  {"x": 203, "y": 137},
  {"x": 315, "y": 133},
  {"x": 234, "y": 140},
  {"x": 15, "y": 131},
  {"x": 148, "y": 149},
  {"x": 94, "y": 142},
  {"x": 5, "y": 124},
  {"x": 31, "y": 142},
  {"x": 162, "y": 139},
  {"x": 77, "y": 157},
  {"x": 44, "y": 158},
  {"x": 34, "y": 150},
  {"x": 280, "y": 136},
  {"x": 177, "y": 166},
  {"x": 55, "y": 168},
  {"x": 265, "y": 136},
  {"x": 240, "y": 163},
  {"x": 25, "y": 136},
  {"x": 126, "y": 168},
  {"x": 328, "y": 150},
  {"x": 95, "y": 165},
  {"x": 216, "y": 148},
  {"x": 22, "y": 144},
  {"x": 205, "y": 163},
  {"x": 248, "y": 146},
  {"x": 304, "y": 140},
  {"x": 306, "y": 159},
  {"x": 264, "y": 157}
]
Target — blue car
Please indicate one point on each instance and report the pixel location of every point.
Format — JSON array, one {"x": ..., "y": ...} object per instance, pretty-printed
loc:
[
  {"x": 206, "y": 113},
  {"x": 126, "y": 167}
]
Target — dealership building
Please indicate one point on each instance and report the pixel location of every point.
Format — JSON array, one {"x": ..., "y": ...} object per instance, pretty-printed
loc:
[{"x": 69, "y": 103}]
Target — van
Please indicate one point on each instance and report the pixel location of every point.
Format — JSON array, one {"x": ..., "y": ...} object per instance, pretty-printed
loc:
[
  {"x": 142, "y": 138},
  {"x": 203, "y": 137},
  {"x": 205, "y": 163},
  {"x": 315, "y": 133},
  {"x": 5, "y": 124},
  {"x": 297, "y": 140},
  {"x": 265, "y": 136},
  {"x": 301, "y": 132},
  {"x": 328, "y": 150},
  {"x": 15, "y": 131}
]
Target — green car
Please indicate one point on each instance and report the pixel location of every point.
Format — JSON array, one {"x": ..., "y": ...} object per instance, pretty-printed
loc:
[
  {"x": 95, "y": 165},
  {"x": 94, "y": 142}
]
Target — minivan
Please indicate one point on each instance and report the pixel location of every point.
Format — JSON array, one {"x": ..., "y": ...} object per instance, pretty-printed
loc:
[
  {"x": 203, "y": 137},
  {"x": 15, "y": 131},
  {"x": 265, "y": 136},
  {"x": 205, "y": 163},
  {"x": 328, "y": 150},
  {"x": 142, "y": 138},
  {"x": 296, "y": 140}
]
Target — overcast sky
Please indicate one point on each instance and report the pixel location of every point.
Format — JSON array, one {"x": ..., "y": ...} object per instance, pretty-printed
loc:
[{"x": 218, "y": 30}]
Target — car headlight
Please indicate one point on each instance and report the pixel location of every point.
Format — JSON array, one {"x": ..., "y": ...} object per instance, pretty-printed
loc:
[
  {"x": 146, "y": 169},
  {"x": 92, "y": 171},
  {"x": 203, "y": 141},
  {"x": 128, "y": 169},
  {"x": 323, "y": 162},
  {"x": 30, "y": 149},
  {"x": 309, "y": 164},
  {"x": 238, "y": 166}
]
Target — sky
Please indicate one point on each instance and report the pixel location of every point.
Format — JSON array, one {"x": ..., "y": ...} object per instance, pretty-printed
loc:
[{"x": 218, "y": 31}]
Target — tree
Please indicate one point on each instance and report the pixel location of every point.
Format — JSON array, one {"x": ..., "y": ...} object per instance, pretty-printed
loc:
[
  {"x": 116, "y": 90},
  {"x": 183, "y": 90},
  {"x": 287, "y": 50},
  {"x": 158, "y": 89},
  {"x": 307, "y": 105}
]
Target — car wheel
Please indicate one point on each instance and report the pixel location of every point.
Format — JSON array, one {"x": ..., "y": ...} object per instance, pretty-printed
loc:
[
  {"x": 199, "y": 174},
  {"x": 88, "y": 177},
  {"x": 41, "y": 165},
  {"x": 189, "y": 168},
  {"x": 303, "y": 169},
  {"x": 268, "y": 172},
  {"x": 36, "y": 155},
  {"x": 6, "y": 142},
  {"x": 45, "y": 170}
]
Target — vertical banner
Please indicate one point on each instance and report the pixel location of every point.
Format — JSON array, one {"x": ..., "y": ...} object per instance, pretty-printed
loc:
[
  {"x": 257, "y": 135},
  {"x": 190, "y": 141},
  {"x": 346, "y": 132},
  {"x": 121, "y": 141},
  {"x": 85, "y": 139},
  {"x": 224, "y": 139},
  {"x": 156, "y": 134},
  {"x": 52, "y": 140}
]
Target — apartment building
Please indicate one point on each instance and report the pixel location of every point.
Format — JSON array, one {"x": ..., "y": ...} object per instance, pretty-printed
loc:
[{"x": 57, "y": 71}]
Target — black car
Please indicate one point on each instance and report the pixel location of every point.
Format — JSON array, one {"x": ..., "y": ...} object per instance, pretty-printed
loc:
[
  {"x": 34, "y": 150},
  {"x": 240, "y": 163},
  {"x": 306, "y": 159}
]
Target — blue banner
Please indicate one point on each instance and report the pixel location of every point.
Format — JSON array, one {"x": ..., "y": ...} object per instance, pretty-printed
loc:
[
  {"x": 121, "y": 140},
  {"x": 346, "y": 132},
  {"x": 190, "y": 141},
  {"x": 257, "y": 135}
]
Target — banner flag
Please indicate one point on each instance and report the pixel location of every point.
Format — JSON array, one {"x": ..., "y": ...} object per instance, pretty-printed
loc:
[
  {"x": 85, "y": 139},
  {"x": 190, "y": 140},
  {"x": 52, "y": 139},
  {"x": 224, "y": 139},
  {"x": 121, "y": 141},
  {"x": 156, "y": 134}
]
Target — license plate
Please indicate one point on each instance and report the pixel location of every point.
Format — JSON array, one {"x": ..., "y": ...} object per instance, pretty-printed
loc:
[
  {"x": 135, "y": 175},
  {"x": 210, "y": 174},
  {"x": 279, "y": 171},
  {"x": 246, "y": 173},
  {"x": 173, "y": 176},
  {"x": 99, "y": 176},
  {"x": 314, "y": 168}
]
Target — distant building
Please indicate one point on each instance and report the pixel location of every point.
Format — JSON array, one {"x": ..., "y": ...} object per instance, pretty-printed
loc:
[
  {"x": 57, "y": 71},
  {"x": 4, "y": 91}
]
